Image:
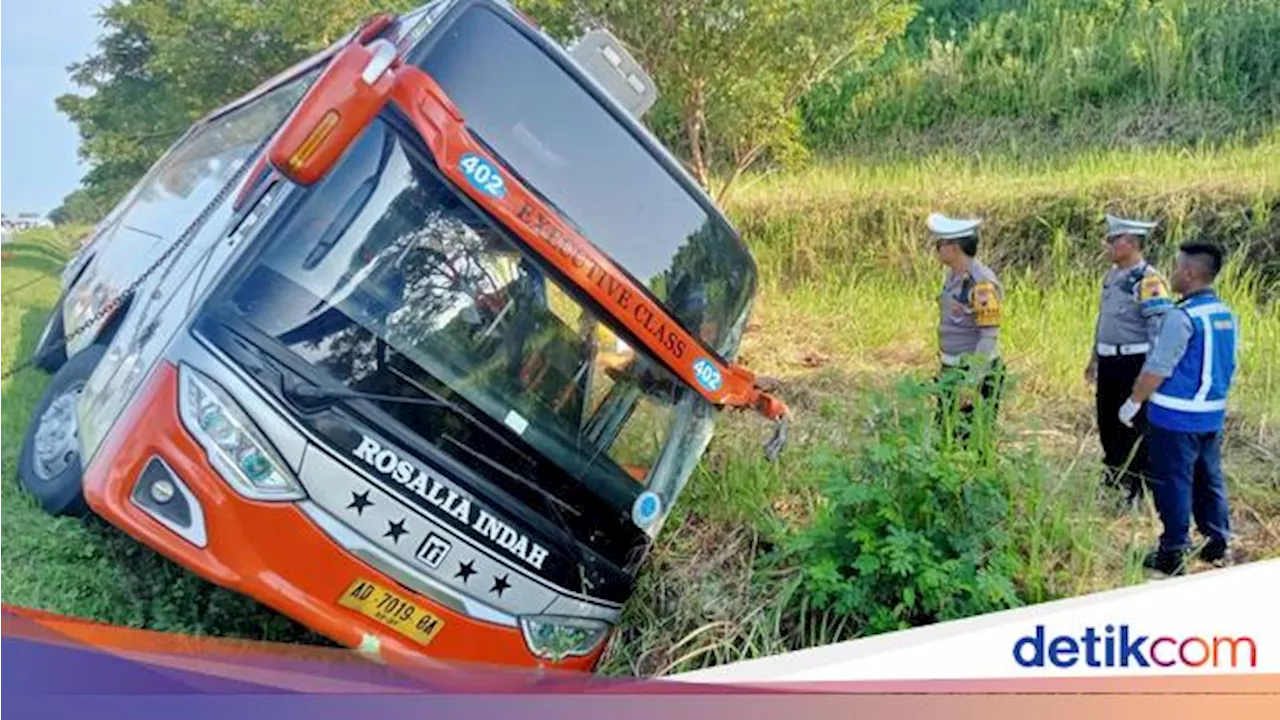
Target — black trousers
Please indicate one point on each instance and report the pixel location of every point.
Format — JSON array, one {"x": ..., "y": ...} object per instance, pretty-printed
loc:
[
  {"x": 959, "y": 418},
  {"x": 1124, "y": 452}
]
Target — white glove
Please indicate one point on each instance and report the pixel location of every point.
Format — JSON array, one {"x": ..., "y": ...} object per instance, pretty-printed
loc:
[{"x": 1129, "y": 411}]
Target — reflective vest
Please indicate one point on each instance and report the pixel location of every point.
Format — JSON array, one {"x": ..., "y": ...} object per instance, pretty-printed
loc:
[{"x": 1194, "y": 397}]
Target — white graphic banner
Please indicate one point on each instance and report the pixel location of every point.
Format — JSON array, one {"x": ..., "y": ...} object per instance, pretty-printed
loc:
[{"x": 1217, "y": 622}]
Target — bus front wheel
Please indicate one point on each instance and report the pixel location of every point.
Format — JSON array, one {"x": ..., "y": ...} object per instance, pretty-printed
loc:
[{"x": 49, "y": 466}]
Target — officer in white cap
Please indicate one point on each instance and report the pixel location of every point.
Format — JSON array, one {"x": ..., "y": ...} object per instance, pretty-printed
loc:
[
  {"x": 970, "y": 308},
  {"x": 1135, "y": 296}
]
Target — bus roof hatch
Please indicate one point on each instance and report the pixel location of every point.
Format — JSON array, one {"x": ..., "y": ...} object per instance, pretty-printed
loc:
[{"x": 604, "y": 57}]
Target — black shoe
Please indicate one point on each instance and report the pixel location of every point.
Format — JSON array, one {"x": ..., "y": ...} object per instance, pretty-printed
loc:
[
  {"x": 1169, "y": 562},
  {"x": 1215, "y": 552}
]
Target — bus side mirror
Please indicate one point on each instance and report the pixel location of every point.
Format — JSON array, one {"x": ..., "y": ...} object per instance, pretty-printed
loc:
[{"x": 341, "y": 103}]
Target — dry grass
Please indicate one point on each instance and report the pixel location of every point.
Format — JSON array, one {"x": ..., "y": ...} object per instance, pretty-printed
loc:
[{"x": 847, "y": 308}]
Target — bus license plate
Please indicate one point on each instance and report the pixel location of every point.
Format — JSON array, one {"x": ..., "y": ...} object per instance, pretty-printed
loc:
[{"x": 391, "y": 609}]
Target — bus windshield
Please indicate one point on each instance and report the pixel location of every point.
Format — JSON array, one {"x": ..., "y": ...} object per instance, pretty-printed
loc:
[
  {"x": 385, "y": 279},
  {"x": 566, "y": 145}
]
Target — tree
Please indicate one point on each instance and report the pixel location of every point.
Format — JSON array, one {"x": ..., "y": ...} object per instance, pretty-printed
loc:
[
  {"x": 731, "y": 73},
  {"x": 162, "y": 64},
  {"x": 128, "y": 119},
  {"x": 79, "y": 207}
]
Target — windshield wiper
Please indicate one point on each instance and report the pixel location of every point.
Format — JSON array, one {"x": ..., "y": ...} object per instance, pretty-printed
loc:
[
  {"x": 547, "y": 494},
  {"x": 309, "y": 396},
  {"x": 313, "y": 397}
]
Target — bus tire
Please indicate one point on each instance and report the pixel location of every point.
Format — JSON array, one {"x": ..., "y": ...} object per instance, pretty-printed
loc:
[{"x": 49, "y": 466}]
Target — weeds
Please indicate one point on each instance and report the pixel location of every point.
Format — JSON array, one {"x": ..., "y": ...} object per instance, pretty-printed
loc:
[
  {"x": 914, "y": 530},
  {"x": 847, "y": 308},
  {"x": 1030, "y": 76}
]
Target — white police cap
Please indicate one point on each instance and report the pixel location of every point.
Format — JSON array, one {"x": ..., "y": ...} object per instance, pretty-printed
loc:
[
  {"x": 1121, "y": 226},
  {"x": 945, "y": 228}
]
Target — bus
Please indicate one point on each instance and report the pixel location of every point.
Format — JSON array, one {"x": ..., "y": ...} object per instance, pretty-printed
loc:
[{"x": 417, "y": 343}]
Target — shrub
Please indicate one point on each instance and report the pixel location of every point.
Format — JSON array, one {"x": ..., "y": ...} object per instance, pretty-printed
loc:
[{"x": 919, "y": 528}]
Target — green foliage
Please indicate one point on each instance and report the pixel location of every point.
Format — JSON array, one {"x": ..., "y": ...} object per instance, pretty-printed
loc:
[
  {"x": 731, "y": 73},
  {"x": 917, "y": 528},
  {"x": 161, "y": 65},
  {"x": 767, "y": 79},
  {"x": 81, "y": 206},
  {"x": 994, "y": 73},
  {"x": 846, "y": 265},
  {"x": 821, "y": 226},
  {"x": 129, "y": 117}
]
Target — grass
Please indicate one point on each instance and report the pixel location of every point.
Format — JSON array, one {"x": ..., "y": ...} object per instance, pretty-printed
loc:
[
  {"x": 1059, "y": 75},
  {"x": 1241, "y": 170},
  {"x": 847, "y": 308},
  {"x": 845, "y": 312},
  {"x": 721, "y": 587},
  {"x": 87, "y": 568}
]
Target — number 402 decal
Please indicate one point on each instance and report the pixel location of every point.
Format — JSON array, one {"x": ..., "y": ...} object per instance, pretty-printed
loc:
[
  {"x": 482, "y": 175},
  {"x": 707, "y": 375}
]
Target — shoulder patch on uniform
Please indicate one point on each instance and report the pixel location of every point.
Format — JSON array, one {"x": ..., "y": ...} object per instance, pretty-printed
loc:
[
  {"x": 985, "y": 301},
  {"x": 1154, "y": 297},
  {"x": 1152, "y": 287}
]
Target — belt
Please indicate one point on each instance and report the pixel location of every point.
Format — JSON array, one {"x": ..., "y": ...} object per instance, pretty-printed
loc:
[{"x": 1107, "y": 350}]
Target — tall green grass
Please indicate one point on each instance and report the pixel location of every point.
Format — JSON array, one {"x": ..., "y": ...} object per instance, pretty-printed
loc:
[
  {"x": 846, "y": 260},
  {"x": 885, "y": 528},
  {"x": 1064, "y": 73},
  {"x": 760, "y": 557}
]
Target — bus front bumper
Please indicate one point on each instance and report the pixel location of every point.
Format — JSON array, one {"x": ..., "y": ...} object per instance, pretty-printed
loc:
[{"x": 272, "y": 551}]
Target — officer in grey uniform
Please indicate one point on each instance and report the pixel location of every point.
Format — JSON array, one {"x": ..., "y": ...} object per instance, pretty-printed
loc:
[
  {"x": 969, "y": 316},
  {"x": 1135, "y": 296}
]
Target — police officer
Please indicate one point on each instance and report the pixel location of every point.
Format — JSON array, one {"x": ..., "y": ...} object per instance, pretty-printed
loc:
[
  {"x": 969, "y": 320},
  {"x": 1186, "y": 379},
  {"x": 1134, "y": 299}
]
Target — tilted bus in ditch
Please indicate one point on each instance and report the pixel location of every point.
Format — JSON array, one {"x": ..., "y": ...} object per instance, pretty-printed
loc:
[{"x": 417, "y": 343}]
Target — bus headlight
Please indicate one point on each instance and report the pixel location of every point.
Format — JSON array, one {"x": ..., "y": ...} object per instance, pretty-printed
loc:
[
  {"x": 234, "y": 446},
  {"x": 556, "y": 638}
]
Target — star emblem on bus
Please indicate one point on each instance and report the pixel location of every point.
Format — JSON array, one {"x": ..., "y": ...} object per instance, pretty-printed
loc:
[
  {"x": 500, "y": 585},
  {"x": 360, "y": 501},
  {"x": 465, "y": 570},
  {"x": 395, "y": 530}
]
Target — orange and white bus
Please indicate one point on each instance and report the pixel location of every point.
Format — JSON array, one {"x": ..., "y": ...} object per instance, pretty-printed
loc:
[{"x": 417, "y": 343}]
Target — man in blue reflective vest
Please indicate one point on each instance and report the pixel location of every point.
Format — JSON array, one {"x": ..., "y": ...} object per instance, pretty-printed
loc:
[{"x": 1186, "y": 379}]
